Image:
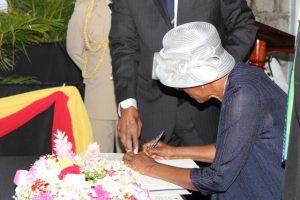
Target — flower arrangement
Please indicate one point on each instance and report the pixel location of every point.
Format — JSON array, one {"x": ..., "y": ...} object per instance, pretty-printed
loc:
[{"x": 65, "y": 175}]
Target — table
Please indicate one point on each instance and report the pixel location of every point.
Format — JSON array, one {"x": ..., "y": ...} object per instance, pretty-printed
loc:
[{"x": 8, "y": 167}]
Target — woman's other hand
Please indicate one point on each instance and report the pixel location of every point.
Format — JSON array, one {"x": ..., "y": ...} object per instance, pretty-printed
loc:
[{"x": 140, "y": 162}]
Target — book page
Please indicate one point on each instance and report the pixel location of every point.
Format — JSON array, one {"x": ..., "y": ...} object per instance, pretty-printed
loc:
[
  {"x": 168, "y": 193},
  {"x": 154, "y": 184},
  {"x": 158, "y": 186}
]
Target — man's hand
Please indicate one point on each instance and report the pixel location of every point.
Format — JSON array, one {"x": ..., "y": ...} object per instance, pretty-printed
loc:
[
  {"x": 129, "y": 129},
  {"x": 161, "y": 151}
]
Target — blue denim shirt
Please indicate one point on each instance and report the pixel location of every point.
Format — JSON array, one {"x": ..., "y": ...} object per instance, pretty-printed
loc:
[{"x": 247, "y": 164}]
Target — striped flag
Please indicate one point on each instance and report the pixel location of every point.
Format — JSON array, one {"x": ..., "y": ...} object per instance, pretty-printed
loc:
[{"x": 291, "y": 154}]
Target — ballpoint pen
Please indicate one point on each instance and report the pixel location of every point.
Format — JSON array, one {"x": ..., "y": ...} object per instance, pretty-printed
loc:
[{"x": 157, "y": 139}]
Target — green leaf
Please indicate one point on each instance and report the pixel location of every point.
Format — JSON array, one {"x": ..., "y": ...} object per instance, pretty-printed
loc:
[{"x": 18, "y": 80}]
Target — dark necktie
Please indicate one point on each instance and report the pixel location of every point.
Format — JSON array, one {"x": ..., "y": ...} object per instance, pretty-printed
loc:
[{"x": 170, "y": 8}]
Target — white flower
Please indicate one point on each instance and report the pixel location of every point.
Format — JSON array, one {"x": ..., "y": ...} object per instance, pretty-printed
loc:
[{"x": 62, "y": 147}]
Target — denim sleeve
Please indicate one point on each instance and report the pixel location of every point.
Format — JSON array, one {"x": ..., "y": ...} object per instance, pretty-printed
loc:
[{"x": 238, "y": 127}]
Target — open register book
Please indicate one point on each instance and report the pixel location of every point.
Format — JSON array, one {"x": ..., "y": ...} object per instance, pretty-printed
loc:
[{"x": 158, "y": 187}]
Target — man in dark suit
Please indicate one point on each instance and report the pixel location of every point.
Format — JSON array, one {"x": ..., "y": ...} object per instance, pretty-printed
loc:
[{"x": 147, "y": 107}]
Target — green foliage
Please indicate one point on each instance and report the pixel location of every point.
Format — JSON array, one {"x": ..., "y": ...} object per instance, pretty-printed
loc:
[
  {"x": 6, "y": 60},
  {"x": 95, "y": 175},
  {"x": 17, "y": 80},
  {"x": 18, "y": 30},
  {"x": 30, "y": 22},
  {"x": 58, "y": 10}
]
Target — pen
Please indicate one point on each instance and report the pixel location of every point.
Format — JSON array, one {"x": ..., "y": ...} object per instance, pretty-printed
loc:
[{"x": 157, "y": 139}]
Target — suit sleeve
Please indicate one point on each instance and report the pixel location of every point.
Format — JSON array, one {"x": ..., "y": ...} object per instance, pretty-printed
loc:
[
  {"x": 75, "y": 43},
  {"x": 124, "y": 51},
  {"x": 240, "y": 28}
]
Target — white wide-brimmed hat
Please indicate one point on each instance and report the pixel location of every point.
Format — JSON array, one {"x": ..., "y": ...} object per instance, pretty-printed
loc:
[{"x": 192, "y": 55}]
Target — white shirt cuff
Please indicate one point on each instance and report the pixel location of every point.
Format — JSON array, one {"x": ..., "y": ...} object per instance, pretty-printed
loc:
[{"x": 126, "y": 104}]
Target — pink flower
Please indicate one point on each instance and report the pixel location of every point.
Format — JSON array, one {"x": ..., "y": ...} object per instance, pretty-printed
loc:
[
  {"x": 43, "y": 196},
  {"x": 74, "y": 169},
  {"x": 92, "y": 156},
  {"x": 101, "y": 194},
  {"x": 138, "y": 189},
  {"x": 111, "y": 173}
]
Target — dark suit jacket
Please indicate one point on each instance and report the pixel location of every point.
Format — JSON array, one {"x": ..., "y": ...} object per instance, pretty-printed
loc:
[{"x": 137, "y": 29}]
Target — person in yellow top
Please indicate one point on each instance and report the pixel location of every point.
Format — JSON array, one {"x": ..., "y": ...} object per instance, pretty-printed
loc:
[{"x": 87, "y": 45}]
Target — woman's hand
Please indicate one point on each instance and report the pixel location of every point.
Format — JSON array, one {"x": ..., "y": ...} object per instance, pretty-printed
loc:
[
  {"x": 140, "y": 162},
  {"x": 162, "y": 151},
  {"x": 147, "y": 166},
  {"x": 204, "y": 153}
]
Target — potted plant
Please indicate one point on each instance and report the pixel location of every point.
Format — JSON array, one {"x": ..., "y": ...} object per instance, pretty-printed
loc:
[{"x": 28, "y": 23}]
